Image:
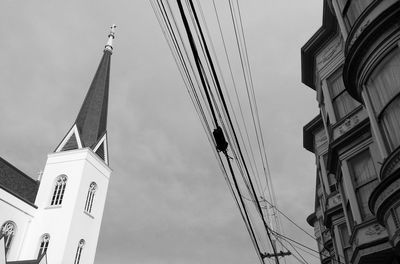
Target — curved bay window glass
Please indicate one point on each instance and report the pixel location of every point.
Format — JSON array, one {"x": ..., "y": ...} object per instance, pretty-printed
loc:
[
  {"x": 59, "y": 189},
  {"x": 8, "y": 232},
  {"x": 90, "y": 197},
  {"x": 364, "y": 179},
  {"x": 353, "y": 9},
  {"x": 384, "y": 92},
  {"x": 44, "y": 244},
  {"x": 79, "y": 251},
  {"x": 342, "y": 102}
]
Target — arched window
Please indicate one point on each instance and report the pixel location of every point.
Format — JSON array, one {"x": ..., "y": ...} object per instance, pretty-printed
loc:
[
  {"x": 79, "y": 251},
  {"x": 8, "y": 231},
  {"x": 90, "y": 197},
  {"x": 44, "y": 244},
  {"x": 59, "y": 190}
]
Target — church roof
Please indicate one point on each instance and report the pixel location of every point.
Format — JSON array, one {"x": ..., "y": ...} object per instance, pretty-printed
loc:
[
  {"x": 34, "y": 261},
  {"x": 17, "y": 183},
  {"x": 92, "y": 118},
  {"x": 90, "y": 126}
]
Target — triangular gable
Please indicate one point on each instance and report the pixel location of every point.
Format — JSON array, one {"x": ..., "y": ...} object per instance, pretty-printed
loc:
[
  {"x": 43, "y": 259},
  {"x": 2, "y": 251},
  {"x": 70, "y": 141},
  {"x": 101, "y": 149}
]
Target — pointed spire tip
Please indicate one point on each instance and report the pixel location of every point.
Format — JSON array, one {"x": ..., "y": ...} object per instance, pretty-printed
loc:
[{"x": 111, "y": 36}]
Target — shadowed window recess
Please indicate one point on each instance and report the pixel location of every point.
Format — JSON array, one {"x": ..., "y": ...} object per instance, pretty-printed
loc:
[
  {"x": 44, "y": 244},
  {"x": 59, "y": 189},
  {"x": 90, "y": 197},
  {"x": 8, "y": 232},
  {"x": 79, "y": 251}
]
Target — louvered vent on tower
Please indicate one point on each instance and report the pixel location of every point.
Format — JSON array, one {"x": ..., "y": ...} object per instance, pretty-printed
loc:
[
  {"x": 71, "y": 143},
  {"x": 100, "y": 152}
]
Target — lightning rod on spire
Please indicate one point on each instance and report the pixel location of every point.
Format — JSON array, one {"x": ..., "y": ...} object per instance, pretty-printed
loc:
[{"x": 111, "y": 36}]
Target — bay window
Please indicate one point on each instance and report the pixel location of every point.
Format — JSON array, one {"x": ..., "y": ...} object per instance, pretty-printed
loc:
[
  {"x": 384, "y": 92},
  {"x": 354, "y": 10}
]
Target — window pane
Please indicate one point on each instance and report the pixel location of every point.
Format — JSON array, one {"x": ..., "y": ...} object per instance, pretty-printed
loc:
[
  {"x": 349, "y": 215},
  {"x": 363, "y": 168},
  {"x": 363, "y": 194},
  {"x": 391, "y": 124},
  {"x": 364, "y": 178},
  {"x": 344, "y": 104},
  {"x": 344, "y": 235},
  {"x": 336, "y": 85},
  {"x": 384, "y": 82},
  {"x": 355, "y": 9}
]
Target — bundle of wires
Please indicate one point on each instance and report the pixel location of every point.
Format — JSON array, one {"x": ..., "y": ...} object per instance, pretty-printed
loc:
[{"x": 238, "y": 147}]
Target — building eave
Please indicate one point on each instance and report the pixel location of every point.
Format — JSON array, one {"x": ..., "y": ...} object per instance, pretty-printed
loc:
[
  {"x": 308, "y": 135},
  {"x": 314, "y": 44}
]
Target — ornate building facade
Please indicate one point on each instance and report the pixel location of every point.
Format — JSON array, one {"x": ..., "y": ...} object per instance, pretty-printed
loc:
[
  {"x": 353, "y": 64},
  {"x": 57, "y": 218}
]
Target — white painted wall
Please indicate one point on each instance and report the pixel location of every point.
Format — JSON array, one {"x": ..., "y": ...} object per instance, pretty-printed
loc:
[
  {"x": 21, "y": 213},
  {"x": 68, "y": 223}
]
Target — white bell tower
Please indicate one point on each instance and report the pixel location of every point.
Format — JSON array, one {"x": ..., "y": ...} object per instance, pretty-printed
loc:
[{"x": 73, "y": 187}]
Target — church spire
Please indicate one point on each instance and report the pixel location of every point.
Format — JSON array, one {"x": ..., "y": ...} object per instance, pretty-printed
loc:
[{"x": 89, "y": 129}]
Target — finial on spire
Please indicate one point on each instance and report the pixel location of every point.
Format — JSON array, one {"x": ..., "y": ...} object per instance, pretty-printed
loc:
[{"x": 111, "y": 36}]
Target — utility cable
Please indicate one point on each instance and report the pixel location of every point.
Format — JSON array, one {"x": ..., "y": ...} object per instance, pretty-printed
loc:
[{"x": 230, "y": 121}]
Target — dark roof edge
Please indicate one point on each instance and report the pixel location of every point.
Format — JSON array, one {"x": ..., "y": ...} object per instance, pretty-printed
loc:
[
  {"x": 18, "y": 170},
  {"x": 308, "y": 129},
  {"x": 18, "y": 196},
  {"x": 309, "y": 50}
]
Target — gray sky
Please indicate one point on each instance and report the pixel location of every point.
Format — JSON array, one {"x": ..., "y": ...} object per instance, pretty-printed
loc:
[{"x": 167, "y": 200}]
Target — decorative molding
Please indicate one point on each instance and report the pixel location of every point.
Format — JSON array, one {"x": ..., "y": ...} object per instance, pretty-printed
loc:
[
  {"x": 320, "y": 139},
  {"x": 359, "y": 31},
  {"x": 349, "y": 123},
  {"x": 374, "y": 230},
  {"x": 329, "y": 52}
]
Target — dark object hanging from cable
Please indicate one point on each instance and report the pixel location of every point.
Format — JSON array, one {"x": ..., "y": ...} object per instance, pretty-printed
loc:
[{"x": 220, "y": 141}]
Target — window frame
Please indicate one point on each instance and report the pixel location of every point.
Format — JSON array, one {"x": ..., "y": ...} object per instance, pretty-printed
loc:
[
  {"x": 378, "y": 114},
  {"x": 43, "y": 244},
  {"x": 58, "y": 193},
  {"x": 334, "y": 99},
  {"x": 79, "y": 249},
  {"x": 9, "y": 237},
  {"x": 346, "y": 245},
  {"x": 357, "y": 186},
  {"x": 93, "y": 187}
]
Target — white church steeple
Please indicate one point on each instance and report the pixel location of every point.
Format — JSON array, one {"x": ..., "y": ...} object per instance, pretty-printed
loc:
[{"x": 71, "y": 197}]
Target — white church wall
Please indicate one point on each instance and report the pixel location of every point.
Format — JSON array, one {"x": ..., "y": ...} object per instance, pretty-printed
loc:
[
  {"x": 55, "y": 220},
  {"x": 84, "y": 225},
  {"x": 68, "y": 223},
  {"x": 21, "y": 213}
]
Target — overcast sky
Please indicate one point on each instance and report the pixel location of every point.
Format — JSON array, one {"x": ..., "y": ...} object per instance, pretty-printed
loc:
[{"x": 167, "y": 199}]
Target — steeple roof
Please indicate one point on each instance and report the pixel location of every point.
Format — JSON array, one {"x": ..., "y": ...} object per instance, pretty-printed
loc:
[
  {"x": 92, "y": 118},
  {"x": 89, "y": 129}
]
